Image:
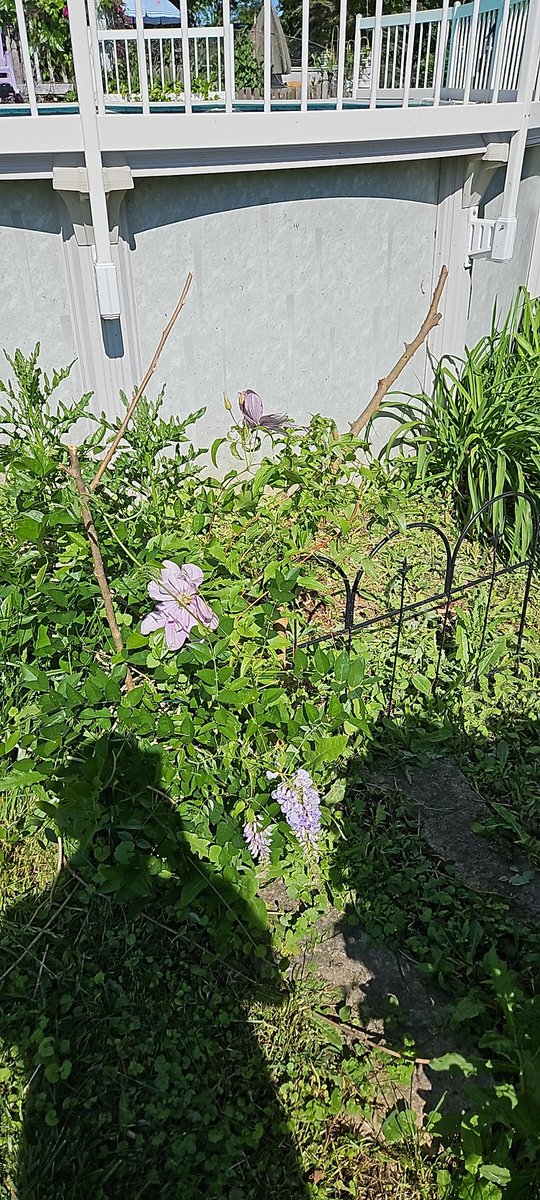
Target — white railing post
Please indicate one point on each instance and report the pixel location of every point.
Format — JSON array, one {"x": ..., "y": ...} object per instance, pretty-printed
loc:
[
  {"x": 96, "y": 57},
  {"x": 25, "y": 52},
  {"x": 453, "y": 34},
  {"x": 341, "y": 53},
  {"x": 267, "y": 43},
  {"x": 409, "y": 58},
  {"x": 227, "y": 55},
  {"x": 505, "y": 227},
  {"x": 186, "y": 63},
  {"x": 233, "y": 69},
  {"x": 305, "y": 55},
  {"x": 141, "y": 55},
  {"x": 440, "y": 58},
  {"x": 471, "y": 52},
  {"x": 376, "y": 44},
  {"x": 500, "y": 50},
  {"x": 357, "y": 56},
  {"x": 105, "y": 270}
]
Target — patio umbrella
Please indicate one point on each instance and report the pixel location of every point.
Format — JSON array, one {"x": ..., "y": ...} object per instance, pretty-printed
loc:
[
  {"x": 279, "y": 50},
  {"x": 155, "y": 12}
]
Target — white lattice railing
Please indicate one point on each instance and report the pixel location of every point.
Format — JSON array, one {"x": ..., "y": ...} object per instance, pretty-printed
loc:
[
  {"x": 469, "y": 53},
  {"x": 164, "y": 62},
  {"x": 462, "y": 53}
]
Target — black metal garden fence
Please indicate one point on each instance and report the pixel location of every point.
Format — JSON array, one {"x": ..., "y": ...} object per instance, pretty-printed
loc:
[{"x": 398, "y": 614}]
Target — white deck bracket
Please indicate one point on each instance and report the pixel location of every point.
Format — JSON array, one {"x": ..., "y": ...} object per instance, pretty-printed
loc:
[
  {"x": 479, "y": 172},
  {"x": 491, "y": 237},
  {"x": 72, "y": 185}
]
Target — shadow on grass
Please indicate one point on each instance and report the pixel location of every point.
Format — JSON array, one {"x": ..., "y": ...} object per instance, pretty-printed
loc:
[
  {"x": 430, "y": 869},
  {"x": 143, "y": 1077}
]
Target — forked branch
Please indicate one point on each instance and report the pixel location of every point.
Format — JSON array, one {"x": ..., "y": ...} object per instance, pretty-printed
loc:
[{"x": 384, "y": 385}]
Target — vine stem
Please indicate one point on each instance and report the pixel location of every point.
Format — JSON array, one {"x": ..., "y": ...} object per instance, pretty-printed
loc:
[
  {"x": 99, "y": 568},
  {"x": 85, "y": 490},
  {"x": 141, "y": 388},
  {"x": 384, "y": 384}
]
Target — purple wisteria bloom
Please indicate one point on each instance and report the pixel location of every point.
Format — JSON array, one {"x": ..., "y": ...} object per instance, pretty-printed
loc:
[
  {"x": 179, "y": 607},
  {"x": 252, "y": 409},
  {"x": 301, "y": 806},
  {"x": 258, "y": 840}
]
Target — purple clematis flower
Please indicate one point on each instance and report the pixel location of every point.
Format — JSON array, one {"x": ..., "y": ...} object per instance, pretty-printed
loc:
[
  {"x": 179, "y": 607},
  {"x": 252, "y": 409}
]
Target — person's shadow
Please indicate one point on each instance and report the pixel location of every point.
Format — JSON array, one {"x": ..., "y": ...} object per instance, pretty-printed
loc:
[{"x": 129, "y": 1009}]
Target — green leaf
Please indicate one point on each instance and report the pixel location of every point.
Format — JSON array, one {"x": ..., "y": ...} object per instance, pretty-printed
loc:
[
  {"x": 495, "y": 1174},
  {"x": 400, "y": 1126},
  {"x": 356, "y": 672},
  {"x": 447, "y": 1061},
  {"x": 124, "y": 852},
  {"x": 467, "y": 1008},
  {"x": 215, "y": 447},
  {"x": 422, "y": 684},
  {"x": 331, "y": 1034},
  {"x": 328, "y": 749}
]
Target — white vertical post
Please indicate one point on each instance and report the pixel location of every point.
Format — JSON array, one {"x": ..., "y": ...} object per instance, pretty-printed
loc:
[
  {"x": 267, "y": 55},
  {"x": 233, "y": 69},
  {"x": 305, "y": 54},
  {"x": 128, "y": 67},
  {"x": 419, "y": 55},
  {"x": 452, "y": 51},
  {"x": 227, "y": 55},
  {"x": 386, "y": 58},
  {"x": 428, "y": 49},
  {"x": 529, "y": 67},
  {"x": 409, "y": 58},
  {"x": 141, "y": 55},
  {"x": 105, "y": 270},
  {"x": 357, "y": 57},
  {"x": 471, "y": 53},
  {"x": 500, "y": 50},
  {"x": 186, "y": 67},
  {"x": 27, "y": 64},
  {"x": 376, "y": 43},
  {"x": 96, "y": 57},
  {"x": 341, "y": 53},
  {"x": 441, "y": 54}
]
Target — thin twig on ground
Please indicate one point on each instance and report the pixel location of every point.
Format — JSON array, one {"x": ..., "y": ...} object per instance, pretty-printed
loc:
[
  {"x": 59, "y": 865},
  {"x": 99, "y": 569},
  {"x": 361, "y": 1036},
  {"x": 141, "y": 389},
  {"x": 384, "y": 384},
  {"x": 35, "y": 939}
]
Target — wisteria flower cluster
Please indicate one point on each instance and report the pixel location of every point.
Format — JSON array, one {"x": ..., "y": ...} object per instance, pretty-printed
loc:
[
  {"x": 300, "y": 804},
  {"x": 258, "y": 840},
  {"x": 179, "y": 607}
]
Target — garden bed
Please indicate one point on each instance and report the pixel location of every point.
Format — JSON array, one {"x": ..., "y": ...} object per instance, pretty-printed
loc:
[{"x": 171, "y": 753}]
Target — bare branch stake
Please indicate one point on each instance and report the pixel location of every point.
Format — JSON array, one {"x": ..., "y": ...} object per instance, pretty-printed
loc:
[
  {"x": 384, "y": 385},
  {"x": 142, "y": 387},
  {"x": 99, "y": 569}
]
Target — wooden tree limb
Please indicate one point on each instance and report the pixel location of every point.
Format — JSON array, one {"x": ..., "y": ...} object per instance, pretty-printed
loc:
[
  {"x": 142, "y": 387},
  {"x": 384, "y": 385},
  {"x": 99, "y": 569}
]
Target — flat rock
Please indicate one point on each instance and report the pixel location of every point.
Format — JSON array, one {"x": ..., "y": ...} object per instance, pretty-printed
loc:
[
  {"x": 447, "y": 808},
  {"x": 391, "y": 998}
]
